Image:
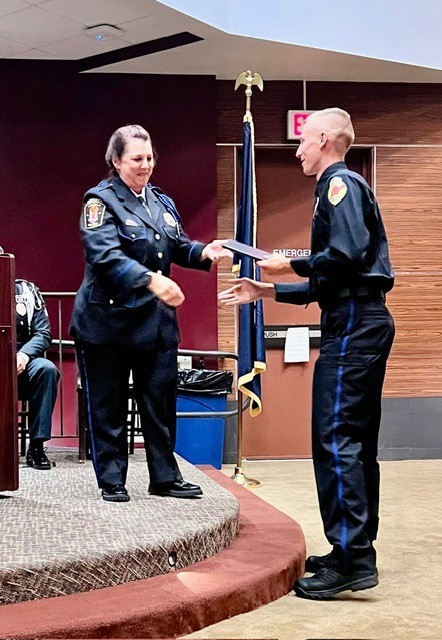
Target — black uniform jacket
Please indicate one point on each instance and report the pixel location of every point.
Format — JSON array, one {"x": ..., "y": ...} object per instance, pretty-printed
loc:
[
  {"x": 123, "y": 245},
  {"x": 349, "y": 247},
  {"x": 33, "y": 328}
]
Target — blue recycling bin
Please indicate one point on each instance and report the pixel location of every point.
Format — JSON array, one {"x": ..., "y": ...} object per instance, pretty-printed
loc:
[{"x": 201, "y": 440}]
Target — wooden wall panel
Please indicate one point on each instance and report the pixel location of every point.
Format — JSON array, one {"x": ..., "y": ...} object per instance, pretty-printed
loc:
[
  {"x": 415, "y": 364},
  {"x": 384, "y": 113},
  {"x": 269, "y": 110},
  {"x": 409, "y": 191}
]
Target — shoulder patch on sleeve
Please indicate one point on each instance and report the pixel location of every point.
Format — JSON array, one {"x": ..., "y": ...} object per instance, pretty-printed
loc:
[
  {"x": 93, "y": 213},
  {"x": 337, "y": 190}
]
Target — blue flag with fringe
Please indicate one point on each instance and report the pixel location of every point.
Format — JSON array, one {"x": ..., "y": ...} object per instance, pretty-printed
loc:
[{"x": 251, "y": 351}]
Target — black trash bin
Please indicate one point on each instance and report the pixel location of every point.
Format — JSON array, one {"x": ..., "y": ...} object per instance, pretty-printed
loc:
[{"x": 201, "y": 440}]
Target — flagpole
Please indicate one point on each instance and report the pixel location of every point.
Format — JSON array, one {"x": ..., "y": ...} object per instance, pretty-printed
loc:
[{"x": 248, "y": 79}]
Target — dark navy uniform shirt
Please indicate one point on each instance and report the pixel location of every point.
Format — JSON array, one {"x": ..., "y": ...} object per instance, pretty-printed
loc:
[
  {"x": 349, "y": 247},
  {"x": 33, "y": 328},
  {"x": 124, "y": 244}
]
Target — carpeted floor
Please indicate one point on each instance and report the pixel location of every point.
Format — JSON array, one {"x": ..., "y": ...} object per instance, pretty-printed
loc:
[
  {"x": 59, "y": 537},
  {"x": 258, "y": 567},
  {"x": 407, "y": 603}
]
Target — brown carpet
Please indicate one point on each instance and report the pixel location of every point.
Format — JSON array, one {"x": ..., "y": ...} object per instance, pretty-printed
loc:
[
  {"x": 58, "y": 537},
  {"x": 257, "y": 568}
]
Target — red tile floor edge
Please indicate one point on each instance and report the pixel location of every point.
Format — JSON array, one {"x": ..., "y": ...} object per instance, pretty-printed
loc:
[{"x": 258, "y": 567}]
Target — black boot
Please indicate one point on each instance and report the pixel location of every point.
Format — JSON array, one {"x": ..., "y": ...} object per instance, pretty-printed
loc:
[
  {"x": 314, "y": 563},
  {"x": 328, "y": 582},
  {"x": 36, "y": 456}
]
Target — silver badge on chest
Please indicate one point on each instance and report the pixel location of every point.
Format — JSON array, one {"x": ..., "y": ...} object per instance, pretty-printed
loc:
[
  {"x": 169, "y": 219},
  {"x": 20, "y": 306}
]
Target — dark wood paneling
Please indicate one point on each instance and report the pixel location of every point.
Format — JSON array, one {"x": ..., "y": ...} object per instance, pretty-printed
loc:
[
  {"x": 382, "y": 113},
  {"x": 393, "y": 113},
  {"x": 269, "y": 110}
]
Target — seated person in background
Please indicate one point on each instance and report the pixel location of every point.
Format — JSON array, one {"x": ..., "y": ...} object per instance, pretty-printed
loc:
[{"x": 37, "y": 377}]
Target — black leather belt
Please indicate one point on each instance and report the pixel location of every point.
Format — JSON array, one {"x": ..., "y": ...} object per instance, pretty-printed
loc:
[{"x": 356, "y": 292}]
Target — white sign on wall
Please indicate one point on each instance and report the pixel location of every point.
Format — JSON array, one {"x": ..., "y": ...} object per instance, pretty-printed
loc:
[
  {"x": 297, "y": 345},
  {"x": 293, "y": 253},
  {"x": 295, "y": 122}
]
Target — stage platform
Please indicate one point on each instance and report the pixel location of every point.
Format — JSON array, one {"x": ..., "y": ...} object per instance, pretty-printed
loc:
[
  {"x": 59, "y": 537},
  {"x": 254, "y": 565}
]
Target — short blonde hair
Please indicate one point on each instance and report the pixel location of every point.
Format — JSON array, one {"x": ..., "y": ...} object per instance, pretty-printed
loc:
[{"x": 337, "y": 123}]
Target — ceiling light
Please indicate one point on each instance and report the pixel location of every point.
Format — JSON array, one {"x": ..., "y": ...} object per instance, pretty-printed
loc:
[{"x": 103, "y": 32}]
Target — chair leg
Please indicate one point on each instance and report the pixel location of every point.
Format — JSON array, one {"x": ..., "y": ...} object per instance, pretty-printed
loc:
[
  {"x": 23, "y": 430},
  {"x": 23, "y": 434},
  {"x": 131, "y": 429}
]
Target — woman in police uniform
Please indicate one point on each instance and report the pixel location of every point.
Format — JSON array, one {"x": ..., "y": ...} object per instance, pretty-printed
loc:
[{"x": 124, "y": 316}]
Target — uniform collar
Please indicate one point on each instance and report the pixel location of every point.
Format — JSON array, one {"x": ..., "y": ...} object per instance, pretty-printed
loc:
[
  {"x": 142, "y": 194},
  {"x": 333, "y": 168},
  {"x": 129, "y": 199}
]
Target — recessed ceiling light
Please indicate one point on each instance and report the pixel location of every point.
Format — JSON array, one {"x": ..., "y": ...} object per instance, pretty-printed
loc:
[{"x": 103, "y": 32}]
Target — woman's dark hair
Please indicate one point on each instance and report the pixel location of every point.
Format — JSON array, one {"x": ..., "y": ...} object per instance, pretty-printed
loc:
[{"x": 118, "y": 142}]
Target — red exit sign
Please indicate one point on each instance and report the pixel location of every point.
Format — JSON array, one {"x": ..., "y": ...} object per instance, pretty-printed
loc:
[{"x": 295, "y": 122}]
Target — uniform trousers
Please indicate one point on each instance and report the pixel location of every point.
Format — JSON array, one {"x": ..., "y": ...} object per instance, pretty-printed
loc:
[
  {"x": 357, "y": 334},
  {"x": 38, "y": 385},
  {"x": 105, "y": 371}
]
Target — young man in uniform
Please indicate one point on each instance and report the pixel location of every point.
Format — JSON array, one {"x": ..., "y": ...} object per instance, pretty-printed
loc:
[{"x": 348, "y": 273}]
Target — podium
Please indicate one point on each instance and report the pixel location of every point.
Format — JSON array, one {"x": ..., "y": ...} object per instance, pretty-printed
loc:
[{"x": 8, "y": 376}]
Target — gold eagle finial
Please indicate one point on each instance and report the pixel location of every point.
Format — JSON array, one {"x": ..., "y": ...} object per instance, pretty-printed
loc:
[{"x": 248, "y": 78}]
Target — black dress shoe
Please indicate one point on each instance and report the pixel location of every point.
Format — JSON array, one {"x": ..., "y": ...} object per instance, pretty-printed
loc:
[
  {"x": 314, "y": 563},
  {"x": 327, "y": 583},
  {"x": 118, "y": 493},
  {"x": 37, "y": 459},
  {"x": 175, "y": 489}
]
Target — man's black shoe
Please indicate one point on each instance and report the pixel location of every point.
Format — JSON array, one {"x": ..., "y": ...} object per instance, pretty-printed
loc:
[
  {"x": 175, "y": 489},
  {"x": 36, "y": 457},
  {"x": 313, "y": 564},
  {"x": 118, "y": 493},
  {"x": 327, "y": 583}
]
